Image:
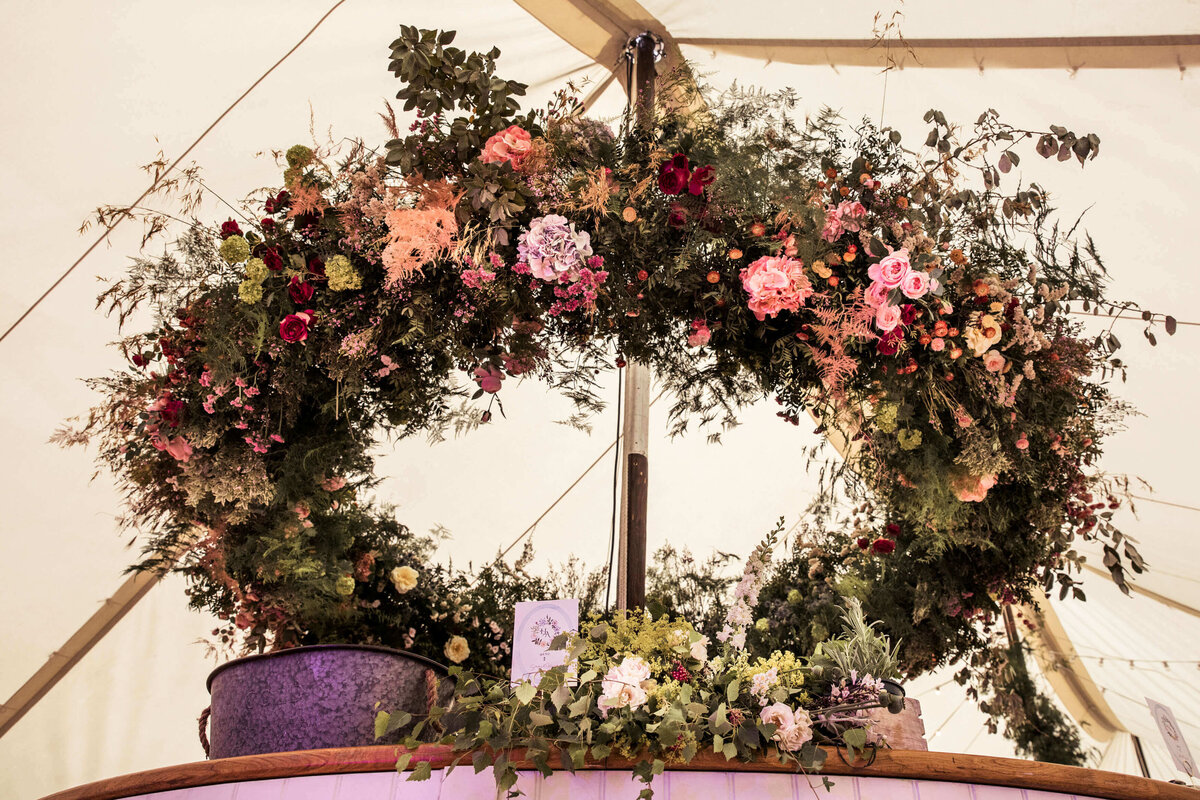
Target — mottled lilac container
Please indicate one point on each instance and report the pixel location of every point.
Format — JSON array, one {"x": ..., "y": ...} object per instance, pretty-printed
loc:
[{"x": 307, "y": 698}]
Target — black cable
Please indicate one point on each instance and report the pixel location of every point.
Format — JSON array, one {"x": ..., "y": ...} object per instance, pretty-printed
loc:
[{"x": 612, "y": 537}]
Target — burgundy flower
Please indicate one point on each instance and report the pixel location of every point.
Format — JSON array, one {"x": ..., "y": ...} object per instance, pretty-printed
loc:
[
  {"x": 277, "y": 203},
  {"x": 268, "y": 224},
  {"x": 892, "y": 529},
  {"x": 230, "y": 228},
  {"x": 883, "y": 546},
  {"x": 680, "y": 162},
  {"x": 170, "y": 412},
  {"x": 294, "y": 327},
  {"x": 671, "y": 180},
  {"x": 908, "y": 313},
  {"x": 864, "y": 543},
  {"x": 677, "y": 216},
  {"x": 889, "y": 343},
  {"x": 700, "y": 179},
  {"x": 300, "y": 291},
  {"x": 272, "y": 259},
  {"x": 139, "y": 360},
  {"x": 316, "y": 266}
]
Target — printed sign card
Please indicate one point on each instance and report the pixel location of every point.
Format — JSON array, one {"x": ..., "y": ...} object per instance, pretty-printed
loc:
[
  {"x": 1171, "y": 734},
  {"x": 537, "y": 623}
]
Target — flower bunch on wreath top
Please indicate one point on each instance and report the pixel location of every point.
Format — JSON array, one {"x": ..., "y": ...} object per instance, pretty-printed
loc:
[{"x": 647, "y": 689}]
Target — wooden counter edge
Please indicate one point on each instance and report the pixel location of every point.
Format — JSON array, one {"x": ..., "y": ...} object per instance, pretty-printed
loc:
[{"x": 905, "y": 764}]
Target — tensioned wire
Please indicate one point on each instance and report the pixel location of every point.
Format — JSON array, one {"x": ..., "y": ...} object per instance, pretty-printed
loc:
[{"x": 155, "y": 183}]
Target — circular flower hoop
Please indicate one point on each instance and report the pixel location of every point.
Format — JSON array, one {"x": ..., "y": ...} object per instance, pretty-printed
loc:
[{"x": 738, "y": 254}]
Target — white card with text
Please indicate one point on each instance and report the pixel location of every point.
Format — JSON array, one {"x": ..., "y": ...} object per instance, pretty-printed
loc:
[
  {"x": 1173, "y": 736},
  {"x": 536, "y": 625}
]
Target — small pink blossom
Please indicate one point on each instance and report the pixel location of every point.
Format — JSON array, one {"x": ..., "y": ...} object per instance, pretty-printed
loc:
[
  {"x": 876, "y": 295},
  {"x": 489, "y": 378},
  {"x": 333, "y": 484},
  {"x": 993, "y": 361},
  {"x": 700, "y": 334},
  {"x": 938, "y": 345}
]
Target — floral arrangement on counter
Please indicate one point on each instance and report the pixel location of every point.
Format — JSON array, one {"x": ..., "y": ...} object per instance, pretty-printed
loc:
[
  {"x": 921, "y": 319},
  {"x": 646, "y": 689}
]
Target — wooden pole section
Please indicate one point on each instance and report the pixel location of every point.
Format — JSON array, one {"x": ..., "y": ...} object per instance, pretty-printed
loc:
[{"x": 631, "y": 556}]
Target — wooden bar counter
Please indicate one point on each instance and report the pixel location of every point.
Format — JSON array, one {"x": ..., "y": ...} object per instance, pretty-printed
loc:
[{"x": 368, "y": 773}]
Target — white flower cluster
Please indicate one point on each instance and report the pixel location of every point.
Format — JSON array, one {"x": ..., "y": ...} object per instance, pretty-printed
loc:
[{"x": 745, "y": 597}]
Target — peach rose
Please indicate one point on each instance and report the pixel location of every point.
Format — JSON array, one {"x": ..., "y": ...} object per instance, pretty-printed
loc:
[
  {"x": 993, "y": 361},
  {"x": 511, "y": 144},
  {"x": 915, "y": 285}
]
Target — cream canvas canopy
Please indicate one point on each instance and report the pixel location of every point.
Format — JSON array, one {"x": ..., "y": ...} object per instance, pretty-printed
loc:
[{"x": 91, "y": 91}]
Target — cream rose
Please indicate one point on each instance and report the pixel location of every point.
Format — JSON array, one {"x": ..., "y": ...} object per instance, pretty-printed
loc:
[
  {"x": 404, "y": 579},
  {"x": 983, "y": 335},
  {"x": 457, "y": 649},
  {"x": 700, "y": 649},
  {"x": 622, "y": 685}
]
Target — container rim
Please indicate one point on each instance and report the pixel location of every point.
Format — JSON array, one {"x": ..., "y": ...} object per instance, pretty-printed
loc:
[{"x": 428, "y": 662}]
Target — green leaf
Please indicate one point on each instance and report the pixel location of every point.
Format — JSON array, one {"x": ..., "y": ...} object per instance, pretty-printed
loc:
[
  {"x": 525, "y": 692},
  {"x": 421, "y": 772},
  {"x": 856, "y": 738},
  {"x": 480, "y": 761},
  {"x": 580, "y": 706},
  {"x": 732, "y": 691},
  {"x": 398, "y": 721},
  {"x": 402, "y": 761},
  {"x": 538, "y": 719},
  {"x": 560, "y": 696},
  {"x": 381, "y": 721}
]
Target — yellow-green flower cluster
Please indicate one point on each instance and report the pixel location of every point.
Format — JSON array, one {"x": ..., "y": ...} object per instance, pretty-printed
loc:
[
  {"x": 298, "y": 155},
  {"x": 909, "y": 438},
  {"x": 885, "y": 417},
  {"x": 250, "y": 291},
  {"x": 342, "y": 275},
  {"x": 787, "y": 666},
  {"x": 234, "y": 250}
]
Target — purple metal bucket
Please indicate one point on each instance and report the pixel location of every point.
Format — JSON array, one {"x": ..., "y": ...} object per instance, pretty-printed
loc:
[{"x": 307, "y": 698}]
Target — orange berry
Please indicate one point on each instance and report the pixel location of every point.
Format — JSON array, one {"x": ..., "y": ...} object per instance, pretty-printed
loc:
[
  {"x": 734, "y": 253},
  {"x": 629, "y": 214},
  {"x": 845, "y": 190},
  {"x": 714, "y": 276},
  {"x": 833, "y": 280},
  {"x": 901, "y": 202}
]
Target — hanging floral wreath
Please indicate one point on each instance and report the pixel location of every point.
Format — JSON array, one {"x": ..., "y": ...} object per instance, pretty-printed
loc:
[{"x": 922, "y": 322}]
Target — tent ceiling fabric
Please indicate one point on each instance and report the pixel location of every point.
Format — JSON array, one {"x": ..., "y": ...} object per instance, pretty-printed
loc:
[
  {"x": 131, "y": 703},
  {"x": 1049, "y": 52}
]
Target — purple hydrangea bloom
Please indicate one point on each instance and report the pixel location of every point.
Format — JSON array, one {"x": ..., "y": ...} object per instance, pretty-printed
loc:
[{"x": 553, "y": 248}]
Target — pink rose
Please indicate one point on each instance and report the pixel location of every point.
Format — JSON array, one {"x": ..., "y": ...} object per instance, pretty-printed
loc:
[
  {"x": 938, "y": 345},
  {"x": 178, "y": 447},
  {"x": 511, "y": 144},
  {"x": 887, "y": 318},
  {"x": 915, "y": 285},
  {"x": 489, "y": 378},
  {"x": 891, "y": 269},
  {"x": 333, "y": 484},
  {"x": 993, "y": 361},
  {"x": 877, "y": 295}
]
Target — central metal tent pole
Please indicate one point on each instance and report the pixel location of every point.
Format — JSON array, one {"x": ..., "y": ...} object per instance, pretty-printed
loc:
[{"x": 635, "y": 433}]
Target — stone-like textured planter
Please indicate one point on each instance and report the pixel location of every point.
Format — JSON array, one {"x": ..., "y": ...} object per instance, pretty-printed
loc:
[{"x": 308, "y": 698}]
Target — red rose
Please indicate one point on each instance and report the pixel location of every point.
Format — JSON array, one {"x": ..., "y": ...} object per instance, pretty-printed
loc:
[
  {"x": 268, "y": 224},
  {"x": 883, "y": 546},
  {"x": 892, "y": 529},
  {"x": 864, "y": 543},
  {"x": 889, "y": 343},
  {"x": 294, "y": 327},
  {"x": 671, "y": 180},
  {"x": 272, "y": 259},
  {"x": 316, "y": 266},
  {"x": 230, "y": 228},
  {"x": 139, "y": 360},
  {"x": 677, "y": 216},
  {"x": 700, "y": 178},
  {"x": 908, "y": 313},
  {"x": 300, "y": 291},
  {"x": 680, "y": 162}
]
